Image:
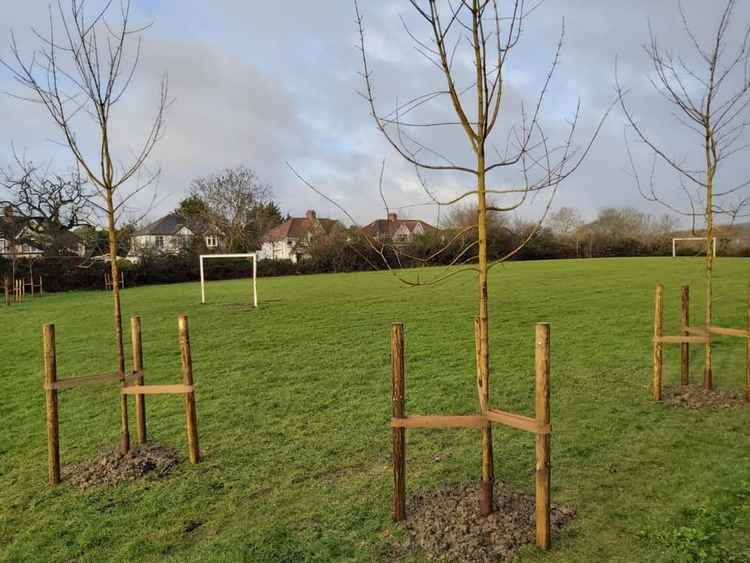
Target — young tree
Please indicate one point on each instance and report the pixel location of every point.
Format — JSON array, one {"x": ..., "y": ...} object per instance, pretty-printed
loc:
[
  {"x": 710, "y": 99},
  {"x": 475, "y": 99},
  {"x": 82, "y": 69}
]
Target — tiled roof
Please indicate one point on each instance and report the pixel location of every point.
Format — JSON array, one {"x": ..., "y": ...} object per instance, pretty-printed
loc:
[
  {"x": 170, "y": 224},
  {"x": 387, "y": 227},
  {"x": 298, "y": 227}
]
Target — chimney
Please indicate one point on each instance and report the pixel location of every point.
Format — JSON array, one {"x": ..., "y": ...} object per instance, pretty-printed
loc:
[
  {"x": 392, "y": 217},
  {"x": 311, "y": 215}
]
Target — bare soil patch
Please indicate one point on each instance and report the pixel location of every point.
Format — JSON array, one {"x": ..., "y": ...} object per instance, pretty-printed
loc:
[
  {"x": 447, "y": 525},
  {"x": 110, "y": 468},
  {"x": 696, "y": 397}
]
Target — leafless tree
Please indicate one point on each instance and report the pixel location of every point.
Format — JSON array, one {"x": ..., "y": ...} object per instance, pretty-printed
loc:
[
  {"x": 232, "y": 197},
  {"x": 710, "y": 100},
  {"x": 49, "y": 203},
  {"x": 82, "y": 69},
  {"x": 480, "y": 32}
]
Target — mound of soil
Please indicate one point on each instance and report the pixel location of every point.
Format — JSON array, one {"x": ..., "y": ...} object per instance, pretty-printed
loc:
[
  {"x": 696, "y": 397},
  {"x": 111, "y": 468},
  {"x": 447, "y": 525}
]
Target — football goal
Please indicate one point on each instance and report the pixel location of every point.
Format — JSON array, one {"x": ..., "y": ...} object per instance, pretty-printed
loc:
[
  {"x": 215, "y": 256},
  {"x": 675, "y": 240}
]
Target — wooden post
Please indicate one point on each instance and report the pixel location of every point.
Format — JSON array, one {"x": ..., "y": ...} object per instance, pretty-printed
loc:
[
  {"x": 6, "y": 287},
  {"x": 747, "y": 361},
  {"x": 186, "y": 360},
  {"x": 53, "y": 429},
  {"x": 542, "y": 437},
  {"x": 658, "y": 320},
  {"x": 399, "y": 434},
  {"x": 140, "y": 400},
  {"x": 41, "y": 286},
  {"x": 685, "y": 347}
]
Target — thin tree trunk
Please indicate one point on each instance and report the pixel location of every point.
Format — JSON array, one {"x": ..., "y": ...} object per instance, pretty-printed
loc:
[
  {"x": 488, "y": 470},
  {"x": 710, "y": 170},
  {"x": 115, "y": 272}
]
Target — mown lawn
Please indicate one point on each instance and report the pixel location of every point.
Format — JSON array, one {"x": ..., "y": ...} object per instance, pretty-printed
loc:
[{"x": 294, "y": 402}]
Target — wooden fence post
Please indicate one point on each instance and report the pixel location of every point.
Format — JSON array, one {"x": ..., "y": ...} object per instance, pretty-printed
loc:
[
  {"x": 41, "y": 286},
  {"x": 658, "y": 357},
  {"x": 542, "y": 437},
  {"x": 747, "y": 361},
  {"x": 186, "y": 360},
  {"x": 399, "y": 434},
  {"x": 6, "y": 287},
  {"x": 53, "y": 429},
  {"x": 140, "y": 400},
  {"x": 685, "y": 347}
]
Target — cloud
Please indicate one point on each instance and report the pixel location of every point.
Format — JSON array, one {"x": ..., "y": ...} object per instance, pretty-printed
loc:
[{"x": 262, "y": 83}]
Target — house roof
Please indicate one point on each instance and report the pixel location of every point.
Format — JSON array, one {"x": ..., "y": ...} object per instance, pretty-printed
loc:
[
  {"x": 13, "y": 227},
  {"x": 298, "y": 227},
  {"x": 170, "y": 224},
  {"x": 388, "y": 227}
]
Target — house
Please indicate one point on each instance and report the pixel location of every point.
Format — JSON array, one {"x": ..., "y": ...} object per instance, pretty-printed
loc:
[
  {"x": 291, "y": 240},
  {"x": 397, "y": 231},
  {"x": 22, "y": 237},
  {"x": 171, "y": 234}
]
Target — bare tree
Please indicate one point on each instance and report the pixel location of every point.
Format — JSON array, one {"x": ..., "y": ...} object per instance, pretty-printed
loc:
[
  {"x": 234, "y": 197},
  {"x": 83, "y": 68},
  {"x": 710, "y": 100},
  {"x": 50, "y": 204},
  {"x": 473, "y": 93}
]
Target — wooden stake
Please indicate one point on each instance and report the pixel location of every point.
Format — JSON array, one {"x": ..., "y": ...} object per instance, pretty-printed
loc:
[
  {"x": 399, "y": 434},
  {"x": 41, "y": 286},
  {"x": 53, "y": 428},
  {"x": 747, "y": 361},
  {"x": 6, "y": 287},
  {"x": 186, "y": 360},
  {"x": 658, "y": 320},
  {"x": 140, "y": 400},
  {"x": 685, "y": 347},
  {"x": 542, "y": 438}
]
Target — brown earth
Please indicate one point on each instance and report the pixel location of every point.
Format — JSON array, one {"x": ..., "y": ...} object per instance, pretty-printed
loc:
[
  {"x": 447, "y": 526},
  {"x": 111, "y": 467},
  {"x": 696, "y": 397}
]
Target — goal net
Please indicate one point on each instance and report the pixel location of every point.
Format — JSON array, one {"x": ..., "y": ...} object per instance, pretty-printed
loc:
[
  {"x": 700, "y": 239},
  {"x": 250, "y": 256}
]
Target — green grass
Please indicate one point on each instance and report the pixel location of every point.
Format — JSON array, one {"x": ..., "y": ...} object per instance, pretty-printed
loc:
[{"x": 294, "y": 401}]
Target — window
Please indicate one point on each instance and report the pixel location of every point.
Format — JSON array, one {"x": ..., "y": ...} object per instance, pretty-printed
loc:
[
  {"x": 212, "y": 241},
  {"x": 4, "y": 247},
  {"x": 159, "y": 242}
]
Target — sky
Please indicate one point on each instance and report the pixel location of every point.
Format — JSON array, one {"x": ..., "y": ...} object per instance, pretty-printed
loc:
[{"x": 263, "y": 84}]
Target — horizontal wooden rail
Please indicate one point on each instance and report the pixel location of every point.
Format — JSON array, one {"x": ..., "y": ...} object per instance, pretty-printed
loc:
[
  {"x": 517, "y": 421},
  {"x": 156, "y": 389},
  {"x": 470, "y": 421},
  {"x": 728, "y": 331},
  {"x": 681, "y": 339},
  {"x": 696, "y": 330},
  {"x": 92, "y": 380}
]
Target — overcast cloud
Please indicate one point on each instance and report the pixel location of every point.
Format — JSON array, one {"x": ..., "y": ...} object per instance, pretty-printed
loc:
[{"x": 260, "y": 83}]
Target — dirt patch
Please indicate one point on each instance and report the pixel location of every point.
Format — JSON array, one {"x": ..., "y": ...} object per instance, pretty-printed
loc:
[
  {"x": 696, "y": 397},
  {"x": 110, "y": 468},
  {"x": 447, "y": 525}
]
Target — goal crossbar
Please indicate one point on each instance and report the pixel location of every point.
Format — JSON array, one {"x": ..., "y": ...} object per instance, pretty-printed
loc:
[
  {"x": 255, "y": 273},
  {"x": 674, "y": 245}
]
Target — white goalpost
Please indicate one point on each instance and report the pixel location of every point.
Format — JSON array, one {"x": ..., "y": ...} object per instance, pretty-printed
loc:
[
  {"x": 255, "y": 273},
  {"x": 674, "y": 244}
]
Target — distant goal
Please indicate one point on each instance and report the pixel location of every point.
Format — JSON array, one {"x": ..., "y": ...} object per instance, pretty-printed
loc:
[
  {"x": 703, "y": 239},
  {"x": 217, "y": 256}
]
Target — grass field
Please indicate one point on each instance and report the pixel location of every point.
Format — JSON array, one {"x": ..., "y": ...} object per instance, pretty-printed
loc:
[{"x": 294, "y": 402}]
